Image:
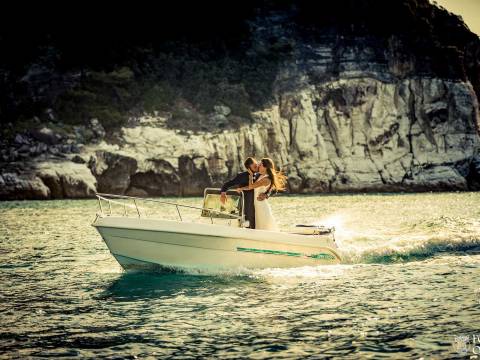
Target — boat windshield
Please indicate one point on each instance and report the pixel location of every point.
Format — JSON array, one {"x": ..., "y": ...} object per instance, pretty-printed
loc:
[{"x": 231, "y": 208}]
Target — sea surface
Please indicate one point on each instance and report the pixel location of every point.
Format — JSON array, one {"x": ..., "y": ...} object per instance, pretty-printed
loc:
[{"x": 409, "y": 287}]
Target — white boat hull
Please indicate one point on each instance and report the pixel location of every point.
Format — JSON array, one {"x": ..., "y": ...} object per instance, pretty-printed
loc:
[{"x": 137, "y": 242}]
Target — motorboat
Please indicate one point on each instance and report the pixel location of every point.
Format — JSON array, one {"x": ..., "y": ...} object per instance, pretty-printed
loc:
[{"x": 218, "y": 239}]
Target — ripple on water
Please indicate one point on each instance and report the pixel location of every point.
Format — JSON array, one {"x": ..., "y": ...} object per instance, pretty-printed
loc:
[{"x": 410, "y": 286}]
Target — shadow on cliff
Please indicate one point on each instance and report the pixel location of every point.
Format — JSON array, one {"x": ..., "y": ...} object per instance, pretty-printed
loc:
[{"x": 188, "y": 57}]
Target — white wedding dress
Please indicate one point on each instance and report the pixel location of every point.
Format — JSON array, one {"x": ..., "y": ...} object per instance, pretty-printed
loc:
[{"x": 264, "y": 219}]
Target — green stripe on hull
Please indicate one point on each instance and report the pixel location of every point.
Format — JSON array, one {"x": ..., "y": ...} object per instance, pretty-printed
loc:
[
  {"x": 271, "y": 252},
  {"x": 323, "y": 256}
]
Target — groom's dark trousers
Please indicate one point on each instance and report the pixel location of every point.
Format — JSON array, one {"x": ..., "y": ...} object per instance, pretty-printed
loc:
[{"x": 248, "y": 206}]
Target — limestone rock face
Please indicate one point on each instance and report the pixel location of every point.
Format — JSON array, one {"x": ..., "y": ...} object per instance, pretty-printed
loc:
[
  {"x": 345, "y": 135},
  {"x": 47, "y": 180},
  {"x": 26, "y": 186},
  {"x": 338, "y": 111},
  {"x": 365, "y": 134},
  {"x": 67, "y": 179}
]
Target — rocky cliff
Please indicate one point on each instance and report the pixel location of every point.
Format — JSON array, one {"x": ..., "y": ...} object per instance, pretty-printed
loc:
[{"x": 341, "y": 103}]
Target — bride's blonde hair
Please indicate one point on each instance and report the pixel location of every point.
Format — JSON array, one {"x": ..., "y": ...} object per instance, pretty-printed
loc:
[{"x": 278, "y": 180}]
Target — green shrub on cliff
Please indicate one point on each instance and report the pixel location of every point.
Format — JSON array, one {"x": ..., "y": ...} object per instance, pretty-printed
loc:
[
  {"x": 107, "y": 96},
  {"x": 158, "y": 97}
]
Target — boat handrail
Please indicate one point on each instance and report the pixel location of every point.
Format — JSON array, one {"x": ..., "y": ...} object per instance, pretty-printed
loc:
[
  {"x": 105, "y": 197},
  {"x": 120, "y": 203}
]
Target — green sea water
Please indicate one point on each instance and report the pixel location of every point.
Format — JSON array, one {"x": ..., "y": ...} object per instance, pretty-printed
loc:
[{"x": 409, "y": 287}]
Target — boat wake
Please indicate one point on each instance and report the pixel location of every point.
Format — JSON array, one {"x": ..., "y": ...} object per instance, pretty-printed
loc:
[
  {"x": 412, "y": 248},
  {"x": 409, "y": 242}
]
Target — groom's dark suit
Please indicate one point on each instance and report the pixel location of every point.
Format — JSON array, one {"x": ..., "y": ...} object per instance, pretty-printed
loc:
[{"x": 248, "y": 207}]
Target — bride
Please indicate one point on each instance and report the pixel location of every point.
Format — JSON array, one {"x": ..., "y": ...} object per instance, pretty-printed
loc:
[{"x": 269, "y": 178}]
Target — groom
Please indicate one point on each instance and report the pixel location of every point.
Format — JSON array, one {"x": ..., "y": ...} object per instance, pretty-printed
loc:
[{"x": 242, "y": 180}]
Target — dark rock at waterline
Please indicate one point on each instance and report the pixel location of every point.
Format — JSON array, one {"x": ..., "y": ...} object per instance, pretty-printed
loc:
[
  {"x": 46, "y": 180},
  {"x": 25, "y": 186},
  {"x": 113, "y": 171},
  {"x": 473, "y": 176},
  {"x": 161, "y": 180}
]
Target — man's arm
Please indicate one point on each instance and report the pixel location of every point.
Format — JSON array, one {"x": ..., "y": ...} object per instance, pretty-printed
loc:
[
  {"x": 251, "y": 186},
  {"x": 236, "y": 181}
]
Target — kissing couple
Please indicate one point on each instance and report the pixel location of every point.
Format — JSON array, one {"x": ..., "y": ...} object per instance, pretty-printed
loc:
[{"x": 257, "y": 183}]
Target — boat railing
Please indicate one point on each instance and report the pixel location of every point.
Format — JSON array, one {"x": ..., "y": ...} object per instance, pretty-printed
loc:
[{"x": 112, "y": 199}]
